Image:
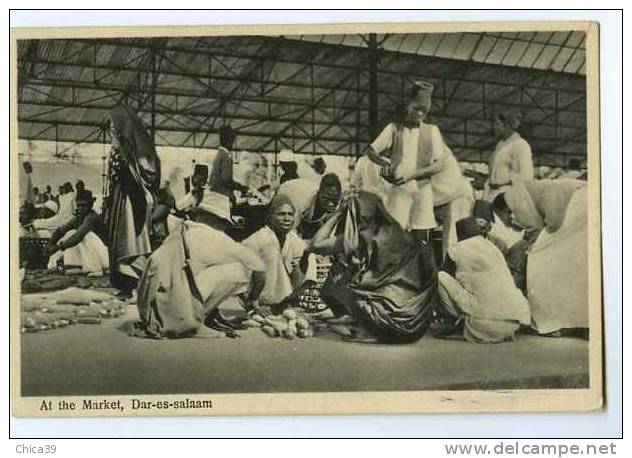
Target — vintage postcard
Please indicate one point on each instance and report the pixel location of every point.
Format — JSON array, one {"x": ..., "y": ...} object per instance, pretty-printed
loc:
[{"x": 305, "y": 219}]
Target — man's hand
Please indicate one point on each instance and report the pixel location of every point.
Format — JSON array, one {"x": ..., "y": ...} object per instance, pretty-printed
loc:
[
  {"x": 384, "y": 161},
  {"x": 403, "y": 179}
]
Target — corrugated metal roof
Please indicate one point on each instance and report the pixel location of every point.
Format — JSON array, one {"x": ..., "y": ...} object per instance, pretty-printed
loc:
[
  {"x": 309, "y": 92},
  {"x": 536, "y": 50}
]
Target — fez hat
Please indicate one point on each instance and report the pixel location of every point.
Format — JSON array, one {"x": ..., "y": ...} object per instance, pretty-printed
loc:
[
  {"x": 422, "y": 94},
  {"x": 467, "y": 228},
  {"x": 201, "y": 170},
  {"x": 483, "y": 209}
]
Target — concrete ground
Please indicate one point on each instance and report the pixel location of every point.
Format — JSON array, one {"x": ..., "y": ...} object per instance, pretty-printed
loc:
[{"x": 104, "y": 360}]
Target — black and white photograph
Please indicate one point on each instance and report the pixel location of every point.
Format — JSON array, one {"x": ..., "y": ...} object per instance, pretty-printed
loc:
[{"x": 306, "y": 219}]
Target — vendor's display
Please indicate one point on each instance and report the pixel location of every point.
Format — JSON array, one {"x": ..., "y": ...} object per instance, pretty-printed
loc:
[{"x": 59, "y": 309}]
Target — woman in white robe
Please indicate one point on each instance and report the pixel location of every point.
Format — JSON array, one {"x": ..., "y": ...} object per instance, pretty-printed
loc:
[{"x": 557, "y": 270}]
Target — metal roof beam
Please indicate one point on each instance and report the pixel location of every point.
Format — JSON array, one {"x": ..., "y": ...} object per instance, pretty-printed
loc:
[{"x": 420, "y": 60}]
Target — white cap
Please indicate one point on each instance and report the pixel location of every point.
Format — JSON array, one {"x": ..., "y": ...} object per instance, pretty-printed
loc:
[
  {"x": 215, "y": 203},
  {"x": 286, "y": 155}
]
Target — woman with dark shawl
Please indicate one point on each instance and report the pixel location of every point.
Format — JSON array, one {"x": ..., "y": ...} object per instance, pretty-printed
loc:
[
  {"x": 381, "y": 277},
  {"x": 134, "y": 177}
]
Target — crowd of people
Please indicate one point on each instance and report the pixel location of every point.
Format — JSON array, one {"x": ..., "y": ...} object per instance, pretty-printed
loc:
[{"x": 515, "y": 258}]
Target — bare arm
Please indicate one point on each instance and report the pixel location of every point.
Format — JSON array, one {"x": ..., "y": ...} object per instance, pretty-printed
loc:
[
  {"x": 424, "y": 172},
  {"x": 377, "y": 159},
  {"x": 324, "y": 241},
  {"x": 381, "y": 143},
  {"x": 160, "y": 213},
  {"x": 257, "y": 282}
]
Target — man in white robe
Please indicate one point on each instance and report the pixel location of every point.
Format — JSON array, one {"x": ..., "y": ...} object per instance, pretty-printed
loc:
[
  {"x": 281, "y": 250},
  {"x": 512, "y": 161},
  {"x": 477, "y": 289},
  {"x": 80, "y": 240}
]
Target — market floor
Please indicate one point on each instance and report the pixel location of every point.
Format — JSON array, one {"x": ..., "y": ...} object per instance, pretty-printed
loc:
[{"x": 104, "y": 360}]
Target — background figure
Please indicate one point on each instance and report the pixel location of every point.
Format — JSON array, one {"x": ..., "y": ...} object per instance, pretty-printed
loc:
[
  {"x": 221, "y": 178},
  {"x": 319, "y": 165},
  {"x": 322, "y": 205},
  {"x": 511, "y": 162},
  {"x": 37, "y": 198},
  {"x": 80, "y": 241},
  {"x": 134, "y": 177},
  {"x": 66, "y": 209},
  {"x": 27, "y": 191},
  {"x": 290, "y": 171},
  {"x": 288, "y": 166}
]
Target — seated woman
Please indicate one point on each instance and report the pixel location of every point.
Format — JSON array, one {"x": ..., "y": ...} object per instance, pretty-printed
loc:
[
  {"x": 80, "y": 241},
  {"x": 380, "y": 277},
  {"x": 281, "y": 250},
  {"x": 557, "y": 270},
  {"x": 476, "y": 289},
  {"x": 197, "y": 268}
]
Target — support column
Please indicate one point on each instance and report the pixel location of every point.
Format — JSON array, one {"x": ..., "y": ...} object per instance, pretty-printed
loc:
[
  {"x": 154, "y": 80},
  {"x": 373, "y": 85}
]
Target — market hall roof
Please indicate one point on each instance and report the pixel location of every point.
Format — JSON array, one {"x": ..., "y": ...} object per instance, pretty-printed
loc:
[{"x": 307, "y": 93}]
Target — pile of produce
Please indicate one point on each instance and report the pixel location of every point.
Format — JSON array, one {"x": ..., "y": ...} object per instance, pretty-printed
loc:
[
  {"x": 292, "y": 323},
  {"x": 67, "y": 307}
]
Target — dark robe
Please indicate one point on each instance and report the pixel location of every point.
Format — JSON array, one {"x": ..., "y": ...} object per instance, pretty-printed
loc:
[
  {"x": 134, "y": 176},
  {"x": 386, "y": 281}
]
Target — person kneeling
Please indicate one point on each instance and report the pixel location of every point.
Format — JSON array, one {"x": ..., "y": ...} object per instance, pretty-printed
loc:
[
  {"x": 195, "y": 270},
  {"x": 477, "y": 290},
  {"x": 80, "y": 241}
]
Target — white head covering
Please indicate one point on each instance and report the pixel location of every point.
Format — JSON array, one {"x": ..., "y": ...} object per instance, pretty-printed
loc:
[
  {"x": 216, "y": 204},
  {"x": 286, "y": 155}
]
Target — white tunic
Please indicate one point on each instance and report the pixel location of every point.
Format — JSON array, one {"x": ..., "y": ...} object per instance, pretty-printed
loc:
[
  {"x": 511, "y": 163},
  {"x": 279, "y": 262},
  {"x": 411, "y": 204},
  {"x": 366, "y": 176},
  {"x": 481, "y": 269}
]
